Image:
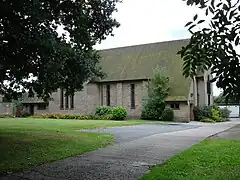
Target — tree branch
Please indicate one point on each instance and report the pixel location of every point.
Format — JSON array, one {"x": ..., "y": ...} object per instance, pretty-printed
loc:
[{"x": 236, "y": 3}]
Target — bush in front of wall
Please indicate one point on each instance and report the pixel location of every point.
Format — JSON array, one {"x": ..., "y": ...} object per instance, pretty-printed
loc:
[
  {"x": 48, "y": 115},
  {"x": 158, "y": 89},
  {"x": 114, "y": 113},
  {"x": 211, "y": 114},
  {"x": 208, "y": 120},
  {"x": 225, "y": 112},
  {"x": 202, "y": 111},
  {"x": 153, "y": 109},
  {"x": 119, "y": 113},
  {"x": 215, "y": 115},
  {"x": 103, "y": 110},
  {"x": 73, "y": 116},
  {"x": 167, "y": 115},
  {"x": 24, "y": 114},
  {"x": 6, "y": 116},
  {"x": 53, "y": 116},
  {"x": 67, "y": 116}
]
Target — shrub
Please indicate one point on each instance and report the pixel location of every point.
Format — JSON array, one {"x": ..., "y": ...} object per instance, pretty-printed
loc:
[
  {"x": 167, "y": 115},
  {"x": 114, "y": 113},
  {"x": 53, "y": 116},
  {"x": 201, "y": 112},
  {"x": 158, "y": 90},
  {"x": 25, "y": 114},
  {"x": 73, "y": 116},
  {"x": 225, "y": 112},
  {"x": 119, "y": 113},
  {"x": 207, "y": 120},
  {"x": 213, "y": 112},
  {"x": 105, "y": 117},
  {"x": 153, "y": 110},
  {"x": 50, "y": 116},
  {"x": 6, "y": 116},
  {"x": 103, "y": 110},
  {"x": 215, "y": 115},
  {"x": 68, "y": 116}
]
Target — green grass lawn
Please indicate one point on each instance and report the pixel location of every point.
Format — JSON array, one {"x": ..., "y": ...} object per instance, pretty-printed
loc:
[
  {"x": 211, "y": 159},
  {"x": 28, "y": 142}
]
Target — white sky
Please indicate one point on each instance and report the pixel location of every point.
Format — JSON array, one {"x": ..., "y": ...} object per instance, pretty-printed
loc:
[{"x": 147, "y": 21}]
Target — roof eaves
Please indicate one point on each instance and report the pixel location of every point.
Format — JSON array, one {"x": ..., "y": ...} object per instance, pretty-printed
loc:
[
  {"x": 176, "y": 98},
  {"x": 122, "y": 80},
  {"x": 137, "y": 45}
]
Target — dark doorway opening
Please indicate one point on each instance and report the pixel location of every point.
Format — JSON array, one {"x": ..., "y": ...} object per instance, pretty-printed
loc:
[{"x": 31, "y": 109}]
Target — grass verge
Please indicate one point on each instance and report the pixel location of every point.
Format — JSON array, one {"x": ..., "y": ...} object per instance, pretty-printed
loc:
[
  {"x": 211, "y": 159},
  {"x": 28, "y": 142}
]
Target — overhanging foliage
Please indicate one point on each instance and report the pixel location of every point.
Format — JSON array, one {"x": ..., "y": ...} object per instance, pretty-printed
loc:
[
  {"x": 215, "y": 45},
  {"x": 31, "y": 46}
]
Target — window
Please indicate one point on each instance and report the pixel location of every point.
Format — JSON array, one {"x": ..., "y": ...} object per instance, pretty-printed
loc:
[
  {"x": 72, "y": 101},
  {"x": 208, "y": 86},
  {"x": 108, "y": 95},
  {"x": 42, "y": 106},
  {"x": 175, "y": 106},
  {"x": 61, "y": 98},
  {"x": 66, "y": 102},
  {"x": 209, "y": 99},
  {"x": 132, "y": 96}
]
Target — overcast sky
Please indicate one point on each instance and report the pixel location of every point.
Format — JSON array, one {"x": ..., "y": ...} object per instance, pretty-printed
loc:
[{"x": 147, "y": 21}]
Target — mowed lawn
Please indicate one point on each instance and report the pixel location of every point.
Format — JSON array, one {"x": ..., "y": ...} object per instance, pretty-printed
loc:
[
  {"x": 211, "y": 159},
  {"x": 28, "y": 142}
]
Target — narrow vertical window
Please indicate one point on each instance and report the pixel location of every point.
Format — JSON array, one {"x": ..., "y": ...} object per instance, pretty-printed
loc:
[
  {"x": 108, "y": 95},
  {"x": 66, "y": 102},
  {"x": 209, "y": 86},
  {"x": 209, "y": 91},
  {"x": 132, "y": 96},
  {"x": 61, "y": 98},
  {"x": 209, "y": 99},
  {"x": 72, "y": 101}
]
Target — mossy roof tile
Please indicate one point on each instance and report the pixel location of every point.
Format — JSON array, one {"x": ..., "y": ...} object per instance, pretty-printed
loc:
[{"x": 138, "y": 62}]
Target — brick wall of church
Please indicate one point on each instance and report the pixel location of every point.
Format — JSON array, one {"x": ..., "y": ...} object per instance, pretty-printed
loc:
[
  {"x": 120, "y": 95},
  {"x": 93, "y": 95}
]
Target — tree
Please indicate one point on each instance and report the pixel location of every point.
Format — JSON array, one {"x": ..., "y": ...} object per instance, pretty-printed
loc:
[
  {"x": 30, "y": 46},
  {"x": 221, "y": 99},
  {"x": 158, "y": 90},
  {"x": 214, "y": 46}
]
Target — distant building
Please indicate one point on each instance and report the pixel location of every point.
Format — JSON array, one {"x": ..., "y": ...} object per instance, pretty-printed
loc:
[{"x": 128, "y": 70}]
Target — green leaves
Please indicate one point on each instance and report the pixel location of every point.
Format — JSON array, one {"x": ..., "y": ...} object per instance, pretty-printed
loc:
[
  {"x": 191, "y": 26},
  {"x": 30, "y": 44},
  {"x": 201, "y": 21},
  {"x": 188, "y": 24},
  {"x": 237, "y": 41},
  {"x": 195, "y": 17},
  {"x": 158, "y": 90},
  {"x": 214, "y": 46}
]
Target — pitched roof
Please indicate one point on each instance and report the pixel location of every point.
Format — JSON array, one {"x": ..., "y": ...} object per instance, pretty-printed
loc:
[
  {"x": 34, "y": 99},
  {"x": 138, "y": 62}
]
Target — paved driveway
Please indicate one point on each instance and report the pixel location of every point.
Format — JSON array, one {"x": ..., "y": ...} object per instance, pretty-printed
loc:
[
  {"x": 130, "y": 133},
  {"x": 139, "y": 147}
]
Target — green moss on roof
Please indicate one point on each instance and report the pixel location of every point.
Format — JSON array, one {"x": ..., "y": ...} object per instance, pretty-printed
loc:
[{"x": 138, "y": 62}]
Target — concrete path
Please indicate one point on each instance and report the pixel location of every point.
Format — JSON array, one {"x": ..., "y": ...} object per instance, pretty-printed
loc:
[
  {"x": 232, "y": 133},
  {"x": 127, "y": 160}
]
